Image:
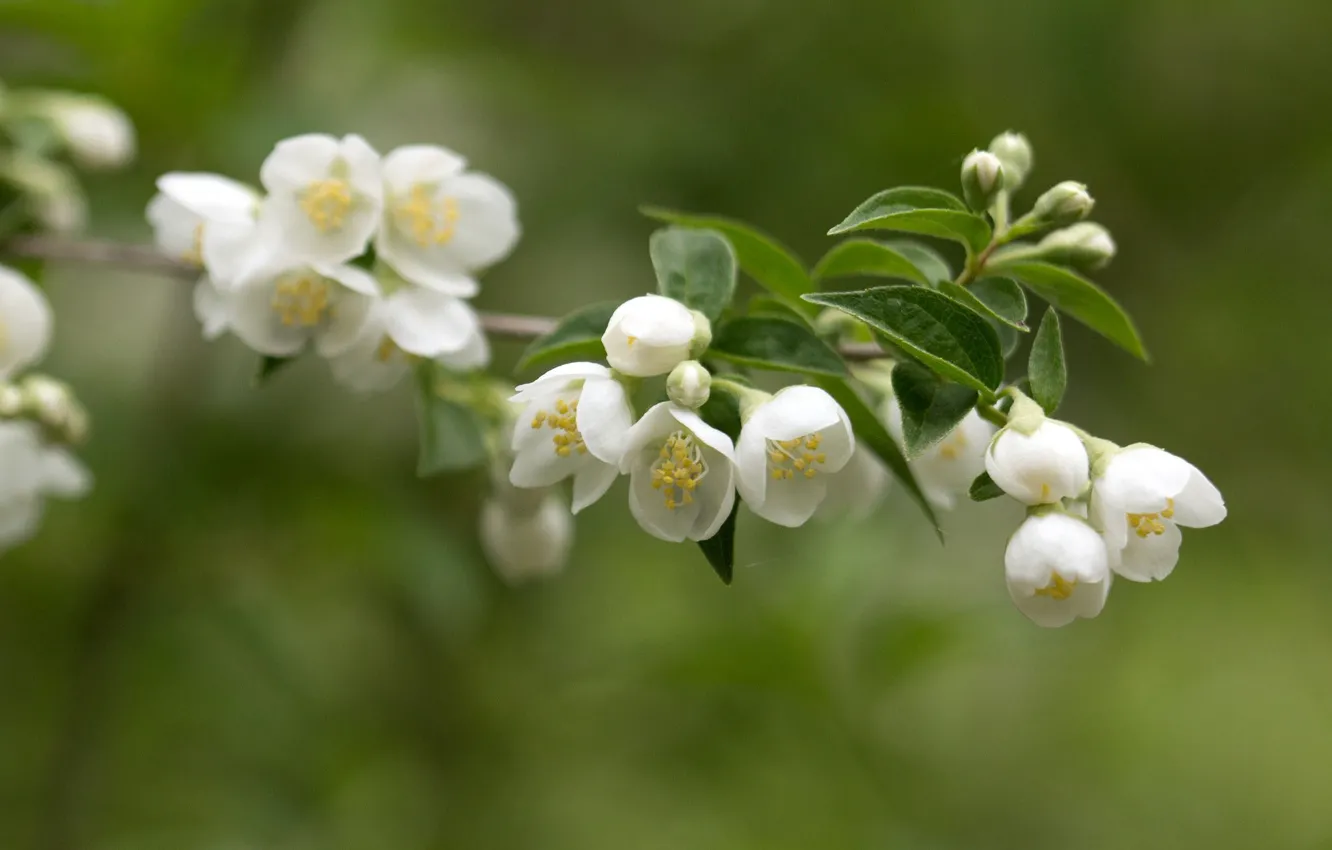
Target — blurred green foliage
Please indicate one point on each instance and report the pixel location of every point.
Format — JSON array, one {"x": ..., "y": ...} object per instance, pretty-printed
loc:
[{"x": 263, "y": 632}]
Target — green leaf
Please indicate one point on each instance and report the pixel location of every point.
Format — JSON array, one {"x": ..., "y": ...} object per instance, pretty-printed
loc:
[
  {"x": 1004, "y": 300},
  {"x": 983, "y": 488},
  {"x": 856, "y": 257},
  {"x": 930, "y": 262},
  {"x": 952, "y": 340},
  {"x": 722, "y": 411},
  {"x": 452, "y": 436},
  {"x": 1009, "y": 338},
  {"x": 719, "y": 549},
  {"x": 763, "y": 258},
  {"x": 576, "y": 337},
  {"x": 270, "y": 366},
  {"x": 871, "y": 432},
  {"x": 695, "y": 267},
  {"x": 1080, "y": 298},
  {"x": 931, "y": 407},
  {"x": 778, "y": 344},
  {"x": 912, "y": 209},
  {"x": 767, "y": 305},
  {"x": 1046, "y": 368}
]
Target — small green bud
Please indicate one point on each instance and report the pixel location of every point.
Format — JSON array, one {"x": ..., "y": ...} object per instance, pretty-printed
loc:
[
  {"x": 689, "y": 385},
  {"x": 1066, "y": 203},
  {"x": 1014, "y": 151},
  {"x": 982, "y": 179},
  {"x": 1085, "y": 245},
  {"x": 702, "y": 335}
]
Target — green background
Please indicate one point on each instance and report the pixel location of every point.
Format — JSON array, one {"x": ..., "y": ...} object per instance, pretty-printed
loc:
[{"x": 261, "y": 631}]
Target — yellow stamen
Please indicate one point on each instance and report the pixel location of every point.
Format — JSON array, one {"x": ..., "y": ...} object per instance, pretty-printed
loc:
[
  {"x": 430, "y": 221},
  {"x": 787, "y": 457},
  {"x": 301, "y": 301},
  {"x": 1145, "y": 525},
  {"x": 567, "y": 439},
  {"x": 1058, "y": 589},
  {"x": 680, "y": 470},
  {"x": 326, "y": 203}
]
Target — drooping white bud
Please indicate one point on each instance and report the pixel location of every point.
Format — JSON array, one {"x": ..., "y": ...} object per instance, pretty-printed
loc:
[
  {"x": 1067, "y": 203},
  {"x": 650, "y": 335},
  {"x": 526, "y": 544},
  {"x": 98, "y": 134},
  {"x": 1056, "y": 568},
  {"x": 1085, "y": 245},
  {"x": 982, "y": 178},
  {"x": 1040, "y": 466},
  {"x": 1014, "y": 151}
]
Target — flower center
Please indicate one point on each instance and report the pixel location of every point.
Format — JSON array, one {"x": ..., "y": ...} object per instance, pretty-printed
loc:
[
  {"x": 1058, "y": 589},
  {"x": 787, "y": 457},
  {"x": 301, "y": 301},
  {"x": 679, "y": 470},
  {"x": 952, "y": 448},
  {"x": 1145, "y": 525},
  {"x": 326, "y": 203},
  {"x": 430, "y": 222},
  {"x": 563, "y": 420}
]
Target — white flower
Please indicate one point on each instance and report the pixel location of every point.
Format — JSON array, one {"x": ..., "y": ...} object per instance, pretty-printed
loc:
[
  {"x": 575, "y": 422},
  {"x": 526, "y": 542},
  {"x": 681, "y": 474},
  {"x": 30, "y": 471},
  {"x": 279, "y": 309},
  {"x": 1139, "y": 502},
  {"x": 25, "y": 323},
  {"x": 98, "y": 134},
  {"x": 648, "y": 335},
  {"x": 325, "y": 196},
  {"x": 189, "y": 204},
  {"x": 1041, "y": 468},
  {"x": 412, "y": 323},
  {"x": 440, "y": 222},
  {"x": 1057, "y": 570},
  {"x": 945, "y": 470},
  {"x": 858, "y": 488},
  {"x": 789, "y": 448}
]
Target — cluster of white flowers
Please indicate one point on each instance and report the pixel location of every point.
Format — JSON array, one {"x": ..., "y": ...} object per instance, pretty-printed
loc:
[
  {"x": 1095, "y": 511},
  {"x": 794, "y": 448},
  {"x": 37, "y": 415},
  {"x": 36, "y": 127},
  {"x": 366, "y": 259}
]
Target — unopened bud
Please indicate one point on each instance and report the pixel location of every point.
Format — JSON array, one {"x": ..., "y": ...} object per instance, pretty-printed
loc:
[
  {"x": 52, "y": 404},
  {"x": 1014, "y": 151},
  {"x": 982, "y": 178},
  {"x": 689, "y": 385},
  {"x": 1085, "y": 245},
  {"x": 1066, "y": 203}
]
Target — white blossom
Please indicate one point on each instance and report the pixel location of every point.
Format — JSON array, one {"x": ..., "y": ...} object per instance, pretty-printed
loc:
[
  {"x": 98, "y": 134},
  {"x": 790, "y": 452},
  {"x": 681, "y": 474},
  {"x": 279, "y": 309},
  {"x": 25, "y": 323},
  {"x": 1042, "y": 467},
  {"x": 858, "y": 489},
  {"x": 1140, "y": 501},
  {"x": 575, "y": 422},
  {"x": 1057, "y": 569},
  {"x": 30, "y": 471},
  {"x": 440, "y": 222},
  {"x": 411, "y": 324},
  {"x": 525, "y": 542},
  {"x": 187, "y": 205},
  {"x": 325, "y": 196},
  {"x": 649, "y": 335},
  {"x": 945, "y": 470}
]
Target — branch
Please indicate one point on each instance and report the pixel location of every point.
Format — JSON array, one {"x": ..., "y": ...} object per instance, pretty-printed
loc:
[{"x": 146, "y": 258}]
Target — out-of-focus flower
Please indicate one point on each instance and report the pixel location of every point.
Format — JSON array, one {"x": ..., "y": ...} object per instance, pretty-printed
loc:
[
  {"x": 278, "y": 310},
  {"x": 25, "y": 323}
]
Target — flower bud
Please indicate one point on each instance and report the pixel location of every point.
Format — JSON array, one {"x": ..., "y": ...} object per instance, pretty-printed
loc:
[
  {"x": 1014, "y": 151},
  {"x": 97, "y": 133},
  {"x": 982, "y": 178},
  {"x": 1066, "y": 203},
  {"x": 526, "y": 544},
  {"x": 1085, "y": 245},
  {"x": 52, "y": 404},
  {"x": 1056, "y": 568},
  {"x": 1038, "y": 465},
  {"x": 51, "y": 189},
  {"x": 689, "y": 385},
  {"x": 651, "y": 334}
]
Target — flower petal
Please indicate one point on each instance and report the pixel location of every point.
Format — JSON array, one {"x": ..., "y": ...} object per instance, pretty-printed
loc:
[
  {"x": 298, "y": 161},
  {"x": 604, "y": 419},
  {"x": 648, "y": 507},
  {"x": 25, "y": 322},
  {"x": 558, "y": 378},
  {"x": 591, "y": 483},
  {"x": 714, "y": 499},
  {"x": 710, "y": 437},
  {"x": 1199, "y": 504},
  {"x": 1140, "y": 479},
  {"x": 487, "y": 226},
  {"x": 652, "y": 427},
  {"x": 412, "y": 164},
  {"x": 1150, "y": 558}
]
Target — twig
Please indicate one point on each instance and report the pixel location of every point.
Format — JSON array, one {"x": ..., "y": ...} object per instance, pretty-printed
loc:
[{"x": 146, "y": 258}]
